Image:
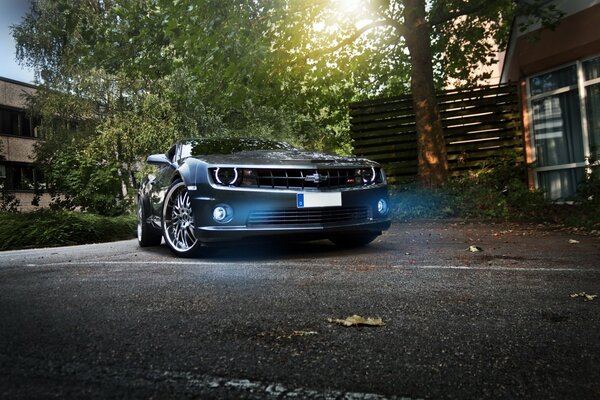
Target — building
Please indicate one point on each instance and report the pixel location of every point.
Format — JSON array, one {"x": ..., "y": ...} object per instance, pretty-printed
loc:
[
  {"x": 18, "y": 135},
  {"x": 559, "y": 74}
]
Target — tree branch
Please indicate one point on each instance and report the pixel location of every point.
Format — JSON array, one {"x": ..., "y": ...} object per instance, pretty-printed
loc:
[
  {"x": 383, "y": 22},
  {"x": 450, "y": 15}
]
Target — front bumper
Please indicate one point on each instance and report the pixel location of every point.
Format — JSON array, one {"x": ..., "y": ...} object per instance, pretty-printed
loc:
[{"x": 358, "y": 213}]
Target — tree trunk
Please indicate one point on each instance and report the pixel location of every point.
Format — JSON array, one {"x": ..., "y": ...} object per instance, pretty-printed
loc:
[{"x": 433, "y": 163}]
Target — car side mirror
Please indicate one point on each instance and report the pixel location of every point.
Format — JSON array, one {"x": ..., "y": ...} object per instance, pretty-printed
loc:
[{"x": 158, "y": 159}]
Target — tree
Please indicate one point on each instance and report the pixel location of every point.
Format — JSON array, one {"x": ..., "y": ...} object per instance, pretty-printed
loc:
[
  {"x": 432, "y": 42},
  {"x": 126, "y": 77},
  {"x": 120, "y": 79}
]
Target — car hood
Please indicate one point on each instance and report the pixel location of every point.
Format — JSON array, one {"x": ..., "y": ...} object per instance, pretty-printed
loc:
[{"x": 298, "y": 158}]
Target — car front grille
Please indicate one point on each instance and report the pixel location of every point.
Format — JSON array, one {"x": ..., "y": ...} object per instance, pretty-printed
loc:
[
  {"x": 300, "y": 179},
  {"x": 294, "y": 216}
]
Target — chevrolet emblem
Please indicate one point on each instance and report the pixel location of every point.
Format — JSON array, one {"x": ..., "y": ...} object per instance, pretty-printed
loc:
[{"x": 316, "y": 178}]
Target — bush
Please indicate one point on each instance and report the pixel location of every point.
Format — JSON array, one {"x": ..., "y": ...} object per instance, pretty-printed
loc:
[
  {"x": 46, "y": 228},
  {"x": 497, "y": 191}
]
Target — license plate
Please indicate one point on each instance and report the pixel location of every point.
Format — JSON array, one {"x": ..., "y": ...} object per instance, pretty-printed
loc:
[{"x": 329, "y": 199}]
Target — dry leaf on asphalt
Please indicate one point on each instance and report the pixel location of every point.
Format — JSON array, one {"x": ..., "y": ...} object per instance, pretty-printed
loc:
[
  {"x": 573, "y": 241},
  {"x": 475, "y": 249},
  {"x": 586, "y": 297},
  {"x": 356, "y": 320}
]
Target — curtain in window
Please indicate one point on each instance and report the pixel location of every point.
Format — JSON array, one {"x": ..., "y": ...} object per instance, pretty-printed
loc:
[
  {"x": 593, "y": 119},
  {"x": 562, "y": 183},
  {"x": 557, "y": 130}
]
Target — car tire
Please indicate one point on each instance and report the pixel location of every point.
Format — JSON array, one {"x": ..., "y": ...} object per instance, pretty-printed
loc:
[
  {"x": 178, "y": 227},
  {"x": 352, "y": 240},
  {"x": 147, "y": 235}
]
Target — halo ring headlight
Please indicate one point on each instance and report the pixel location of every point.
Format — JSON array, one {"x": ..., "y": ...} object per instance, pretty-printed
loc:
[{"x": 226, "y": 176}]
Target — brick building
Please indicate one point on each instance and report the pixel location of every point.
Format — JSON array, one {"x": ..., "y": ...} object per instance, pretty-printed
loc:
[
  {"x": 18, "y": 135},
  {"x": 559, "y": 74}
]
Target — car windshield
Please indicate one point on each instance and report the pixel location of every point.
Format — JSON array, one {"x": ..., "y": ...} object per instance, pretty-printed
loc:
[{"x": 198, "y": 147}]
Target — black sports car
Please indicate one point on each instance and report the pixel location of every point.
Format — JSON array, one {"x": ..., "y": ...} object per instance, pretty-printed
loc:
[{"x": 210, "y": 191}]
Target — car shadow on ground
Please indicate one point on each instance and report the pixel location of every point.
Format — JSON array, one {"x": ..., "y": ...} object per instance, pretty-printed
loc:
[{"x": 270, "y": 250}]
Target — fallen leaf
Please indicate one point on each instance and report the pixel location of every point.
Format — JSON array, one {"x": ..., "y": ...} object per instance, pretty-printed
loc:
[
  {"x": 356, "y": 320},
  {"x": 475, "y": 249},
  {"x": 573, "y": 241},
  {"x": 586, "y": 297}
]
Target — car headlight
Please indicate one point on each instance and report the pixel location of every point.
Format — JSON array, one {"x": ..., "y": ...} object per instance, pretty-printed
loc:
[
  {"x": 366, "y": 176},
  {"x": 226, "y": 176}
]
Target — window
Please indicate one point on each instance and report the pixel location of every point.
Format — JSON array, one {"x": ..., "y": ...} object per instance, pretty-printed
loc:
[
  {"x": 591, "y": 72},
  {"x": 18, "y": 123},
  {"x": 9, "y": 121},
  {"x": 565, "y": 116},
  {"x": 20, "y": 177}
]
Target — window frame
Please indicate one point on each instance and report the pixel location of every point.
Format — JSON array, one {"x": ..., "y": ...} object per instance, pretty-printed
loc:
[{"x": 580, "y": 86}]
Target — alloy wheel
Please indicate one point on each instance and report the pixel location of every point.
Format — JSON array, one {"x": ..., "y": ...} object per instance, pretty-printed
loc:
[{"x": 179, "y": 220}]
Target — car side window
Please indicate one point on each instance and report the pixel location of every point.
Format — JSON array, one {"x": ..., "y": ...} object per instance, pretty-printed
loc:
[
  {"x": 186, "y": 150},
  {"x": 171, "y": 153}
]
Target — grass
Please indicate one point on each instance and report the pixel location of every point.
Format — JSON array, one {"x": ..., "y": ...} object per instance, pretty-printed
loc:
[{"x": 47, "y": 228}]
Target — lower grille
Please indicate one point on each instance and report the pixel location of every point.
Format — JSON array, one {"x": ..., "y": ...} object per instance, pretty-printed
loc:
[{"x": 295, "y": 216}]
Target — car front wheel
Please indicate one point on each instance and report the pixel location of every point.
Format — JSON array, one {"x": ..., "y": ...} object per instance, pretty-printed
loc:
[{"x": 178, "y": 222}]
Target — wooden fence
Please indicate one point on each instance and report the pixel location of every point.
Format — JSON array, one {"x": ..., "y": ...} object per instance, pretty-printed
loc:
[{"x": 479, "y": 124}]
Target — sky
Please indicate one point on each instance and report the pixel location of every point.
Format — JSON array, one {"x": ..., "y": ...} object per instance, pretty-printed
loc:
[{"x": 11, "y": 12}]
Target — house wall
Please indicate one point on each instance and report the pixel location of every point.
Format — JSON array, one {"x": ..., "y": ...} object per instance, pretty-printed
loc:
[
  {"x": 16, "y": 149},
  {"x": 538, "y": 50},
  {"x": 576, "y": 37},
  {"x": 13, "y": 94}
]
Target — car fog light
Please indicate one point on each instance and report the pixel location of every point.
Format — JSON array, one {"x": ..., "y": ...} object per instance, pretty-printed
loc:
[
  {"x": 222, "y": 213},
  {"x": 382, "y": 207}
]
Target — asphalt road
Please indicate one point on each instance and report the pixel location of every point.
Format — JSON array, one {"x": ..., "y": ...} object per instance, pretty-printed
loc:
[{"x": 116, "y": 321}]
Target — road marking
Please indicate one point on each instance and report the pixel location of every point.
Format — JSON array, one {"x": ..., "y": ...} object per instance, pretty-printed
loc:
[
  {"x": 265, "y": 390},
  {"x": 498, "y": 268},
  {"x": 184, "y": 383},
  {"x": 308, "y": 263}
]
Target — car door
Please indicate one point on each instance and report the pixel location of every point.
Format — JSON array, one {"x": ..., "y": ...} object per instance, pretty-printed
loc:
[{"x": 162, "y": 181}]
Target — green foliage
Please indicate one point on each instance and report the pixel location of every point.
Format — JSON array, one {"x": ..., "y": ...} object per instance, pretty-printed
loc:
[
  {"x": 122, "y": 79},
  {"x": 497, "y": 192},
  {"x": 80, "y": 181},
  {"x": 585, "y": 212},
  {"x": 8, "y": 201},
  {"x": 50, "y": 228},
  {"x": 410, "y": 201}
]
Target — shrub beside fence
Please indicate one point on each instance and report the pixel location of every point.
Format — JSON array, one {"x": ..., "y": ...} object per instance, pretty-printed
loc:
[{"x": 479, "y": 124}]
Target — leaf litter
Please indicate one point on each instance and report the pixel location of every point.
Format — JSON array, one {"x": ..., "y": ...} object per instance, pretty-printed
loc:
[
  {"x": 586, "y": 297},
  {"x": 357, "y": 320}
]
